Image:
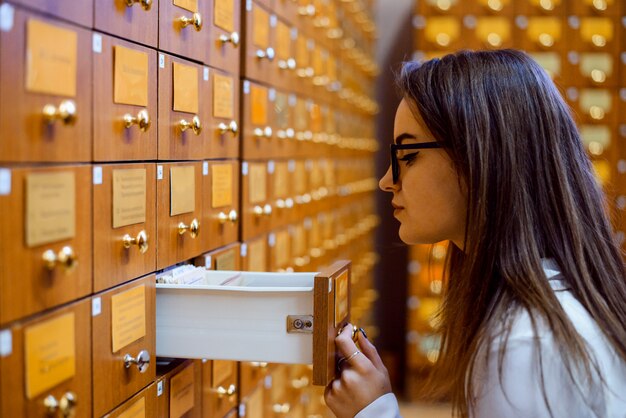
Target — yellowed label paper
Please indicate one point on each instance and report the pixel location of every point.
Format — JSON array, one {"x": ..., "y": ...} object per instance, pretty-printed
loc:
[
  {"x": 282, "y": 111},
  {"x": 137, "y": 410},
  {"x": 222, "y": 370},
  {"x": 281, "y": 249},
  {"x": 221, "y": 185},
  {"x": 130, "y": 82},
  {"x": 602, "y": 26},
  {"x": 51, "y": 66},
  {"x": 50, "y": 354},
  {"x": 128, "y": 317},
  {"x": 224, "y": 14},
  {"x": 341, "y": 297},
  {"x": 439, "y": 27},
  {"x": 182, "y": 190},
  {"x": 257, "y": 255},
  {"x": 50, "y": 207},
  {"x": 283, "y": 41},
  {"x": 185, "y": 88},
  {"x": 226, "y": 261},
  {"x": 182, "y": 392},
  {"x": 281, "y": 179},
  {"x": 260, "y": 27},
  {"x": 129, "y": 197},
  {"x": 257, "y": 183},
  {"x": 488, "y": 26},
  {"x": 191, "y": 5},
  {"x": 223, "y": 96},
  {"x": 258, "y": 99}
]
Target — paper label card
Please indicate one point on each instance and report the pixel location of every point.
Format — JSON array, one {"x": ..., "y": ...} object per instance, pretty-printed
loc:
[
  {"x": 257, "y": 255},
  {"x": 185, "y": 88},
  {"x": 51, "y": 59},
  {"x": 182, "y": 190},
  {"x": 260, "y": 28},
  {"x": 50, "y": 354},
  {"x": 258, "y": 183},
  {"x": 182, "y": 392},
  {"x": 191, "y": 5},
  {"x": 282, "y": 249},
  {"x": 222, "y": 370},
  {"x": 301, "y": 119},
  {"x": 50, "y": 207},
  {"x": 128, "y": 317},
  {"x": 283, "y": 41},
  {"x": 341, "y": 297},
  {"x": 538, "y": 26},
  {"x": 282, "y": 110},
  {"x": 221, "y": 185},
  {"x": 281, "y": 178},
  {"x": 450, "y": 26},
  {"x": 258, "y": 99},
  {"x": 226, "y": 261},
  {"x": 224, "y": 14},
  {"x": 493, "y": 25},
  {"x": 223, "y": 96},
  {"x": 590, "y": 26},
  {"x": 130, "y": 76},
  {"x": 596, "y": 61},
  {"x": 137, "y": 410},
  {"x": 129, "y": 197}
]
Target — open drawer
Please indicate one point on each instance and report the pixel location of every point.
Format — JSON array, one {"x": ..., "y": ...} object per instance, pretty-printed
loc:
[{"x": 245, "y": 316}]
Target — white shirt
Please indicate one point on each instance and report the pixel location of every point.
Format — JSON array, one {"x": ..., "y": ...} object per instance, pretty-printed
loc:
[{"x": 520, "y": 394}]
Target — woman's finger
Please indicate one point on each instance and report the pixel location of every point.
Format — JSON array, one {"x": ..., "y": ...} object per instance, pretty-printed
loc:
[
  {"x": 349, "y": 351},
  {"x": 369, "y": 350}
]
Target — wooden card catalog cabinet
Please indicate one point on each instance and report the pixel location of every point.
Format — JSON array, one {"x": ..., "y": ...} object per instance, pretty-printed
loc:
[
  {"x": 258, "y": 139},
  {"x": 184, "y": 109},
  {"x": 435, "y": 7},
  {"x": 279, "y": 243},
  {"x": 285, "y": 55},
  {"x": 550, "y": 61},
  {"x": 46, "y": 364},
  {"x": 286, "y": 9},
  {"x": 180, "y": 384},
  {"x": 225, "y": 35},
  {"x": 498, "y": 7},
  {"x": 125, "y": 101},
  {"x": 282, "y": 192},
  {"x": 597, "y": 105},
  {"x": 494, "y": 32},
  {"x": 123, "y": 346},
  {"x": 142, "y": 405},
  {"x": 45, "y": 106},
  {"x": 220, "y": 387},
  {"x": 224, "y": 128},
  {"x": 597, "y": 68},
  {"x": 79, "y": 13},
  {"x": 283, "y": 123},
  {"x": 225, "y": 258},
  {"x": 260, "y": 53},
  {"x": 180, "y": 234},
  {"x": 125, "y": 223},
  {"x": 256, "y": 206},
  {"x": 440, "y": 32},
  {"x": 541, "y": 7},
  {"x": 137, "y": 20},
  {"x": 264, "y": 317},
  {"x": 596, "y": 7},
  {"x": 597, "y": 34},
  {"x": 254, "y": 254},
  {"x": 542, "y": 33},
  {"x": 46, "y": 212},
  {"x": 221, "y": 202},
  {"x": 184, "y": 28}
]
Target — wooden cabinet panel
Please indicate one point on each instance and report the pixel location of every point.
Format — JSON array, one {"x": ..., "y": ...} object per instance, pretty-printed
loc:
[
  {"x": 220, "y": 387},
  {"x": 225, "y": 36},
  {"x": 259, "y": 55},
  {"x": 15, "y": 368},
  {"x": 143, "y": 404},
  {"x": 256, "y": 207},
  {"x": 124, "y": 240},
  {"x": 258, "y": 120},
  {"x": 184, "y": 109},
  {"x": 40, "y": 118},
  {"x": 287, "y": 9},
  {"x": 181, "y": 385},
  {"x": 251, "y": 374},
  {"x": 44, "y": 263},
  {"x": 138, "y": 21},
  {"x": 281, "y": 192},
  {"x": 185, "y": 32},
  {"x": 124, "y": 113},
  {"x": 225, "y": 258},
  {"x": 72, "y": 11},
  {"x": 254, "y": 254},
  {"x": 224, "y": 125},
  {"x": 115, "y": 379},
  {"x": 221, "y": 202}
]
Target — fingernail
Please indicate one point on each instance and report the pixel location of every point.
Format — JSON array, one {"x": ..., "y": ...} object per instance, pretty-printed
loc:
[{"x": 363, "y": 332}]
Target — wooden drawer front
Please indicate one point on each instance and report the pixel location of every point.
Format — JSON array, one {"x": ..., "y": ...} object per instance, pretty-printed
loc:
[
  {"x": 304, "y": 64},
  {"x": 251, "y": 374},
  {"x": 224, "y": 123},
  {"x": 184, "y": 109},
  {"x": 287, "y": 9},
  {"x": 138, "y": 22},
  {"x": 285, "y": 60},
  {"x": 281, "y": 185},
  {"x": 143, "y": 404},
  {"x": 124, "y": 224},
  {"x": 302, "y": 128},
  {"x": 124, "y": 329},
  {"x": 254, "y": 254},
  {"x": 597, "y": 8},
  {"x": 256, "y": 206},
  {"x": 221, "y": 202},
  {"x": 189, "y": 41},
  {"x": 253, "y": 405},
  {"x": 225, "y": 35},
  {"x": 32, "y": 91},
  {"x": 179, "y": 388},
  {"x": 43, "y": 266},
  {"x": 125, "y": 102},
  {"x": 78, "y": 12},
  {"x": 258, "y": 120},
  {"x": 256, "y": 305},
  {"x": 226, "y": 258},
  {"x": 543, "y": 33},
  {"x": 494, "y": 31},
  {"x": 594, "y": 69},
  {"x": 220, "y": 387},
  {"x": 279, "y": 243},
  {"x": 285, "y": 133},
  {"x": 278, "y": 397},
  {"x": 260, "y": 53},
  {"x": 178, "y": 238},
  {"x": 599, "y": 33},
  {"x": 541, "y": 7},
  {"x": 62, "y": 338},
  {"x": 441, "y": 33},
  {"x": 594, "y": 106}
]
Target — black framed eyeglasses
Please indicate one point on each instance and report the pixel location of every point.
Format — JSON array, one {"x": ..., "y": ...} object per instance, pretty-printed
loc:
[{"x": 394, "y": 148}]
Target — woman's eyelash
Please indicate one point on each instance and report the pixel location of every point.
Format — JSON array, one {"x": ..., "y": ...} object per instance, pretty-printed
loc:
[{"x": 409, "y": 157}]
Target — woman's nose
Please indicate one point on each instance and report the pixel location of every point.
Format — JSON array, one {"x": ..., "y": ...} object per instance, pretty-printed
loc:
[{"x": 385, "y": 183}]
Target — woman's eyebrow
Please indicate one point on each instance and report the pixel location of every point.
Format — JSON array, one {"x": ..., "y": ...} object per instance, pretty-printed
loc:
[{"x": 404, "y": 136}]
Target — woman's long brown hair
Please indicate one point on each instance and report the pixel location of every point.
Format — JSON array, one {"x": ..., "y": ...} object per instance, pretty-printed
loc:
[{"x": 531, "y": 194}]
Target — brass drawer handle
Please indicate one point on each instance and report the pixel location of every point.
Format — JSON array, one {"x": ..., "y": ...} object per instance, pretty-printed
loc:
[
  {"x": 262, "y": 210},
  {"x": 267, "y": 53},
  {"x": 221, "y": 391},
  {"x": 66, "y": 405},
  {"x": 288, "y": 64},
  {"x": 194, "y": 125},
  {"x": 300, "y": 383},
  {"x": 308, "y": 10},
  {"x": 142, "y": 120},
  {"x": 195, "y": 20},
  {"x": 286, "y": 133},
  {"x": 141, "y": 241},
  {"x": 193, "y": 228},
  {"x": 259, "y": 364},
  {"x": 232, "y": 217},
  {"x": 279, "y": 408},
  {"x": 65, "y": 257},
  {"x": 233, "y": 38},
  {"x": 263, "y": 132},
  {"x": 145, "y": 4},
  {"x": 65, "y": 112},
  {"x": 232, "y": 127},
  {"x": 142, "y": 361}
]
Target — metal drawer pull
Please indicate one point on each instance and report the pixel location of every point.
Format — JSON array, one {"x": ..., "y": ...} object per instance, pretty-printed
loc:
[
  {"x": 308, "y": 10},
  {"x": 221, "y": 391},
  {"x": 193, "y": 228},
  {"x": 281, "y": 408},
  {"x": 66, "y": 405},
  {"x": 288, "y": 64},
  {"x": 65, "y": 112},
  {"x": 267, "y": 53},
  {"x": 65, "y": 257},
  {"x": 145, "y": 4},
  {"x": 141, "y": 241},
  {"x": 195, "y": 20},
  {"x": 263, "y": 132},
  {"x": 142, "y": 361},
  {"x": 194, "y": 125},
  {"x": 259, "y": 364},
  {"x": 233, "y": 38},
  {"x": 232, "y": 217},
  {"x": 232, "y": 127},
  {"x": 142, "y": 120}
]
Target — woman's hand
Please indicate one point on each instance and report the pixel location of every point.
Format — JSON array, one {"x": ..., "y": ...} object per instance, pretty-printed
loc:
[{"x": 363, "y": 378}]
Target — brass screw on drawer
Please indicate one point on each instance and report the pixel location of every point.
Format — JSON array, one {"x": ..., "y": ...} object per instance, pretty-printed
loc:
[
  {"x": 233, "y": 38},
  {"x": 65, "y": 112},
  {"x": 141, "y": 241},
  {"x": 195, "y": 20},
  {"x": 193, "y": 228},
  {"x": 145, "y": 4},
  {"x": 65, "y": 257},
  {"x": 194, "y": 125},
  {"x": 142, "y": 120}
]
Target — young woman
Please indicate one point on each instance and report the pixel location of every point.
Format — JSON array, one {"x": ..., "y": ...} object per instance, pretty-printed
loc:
[{"x": 486, "y": 155}]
